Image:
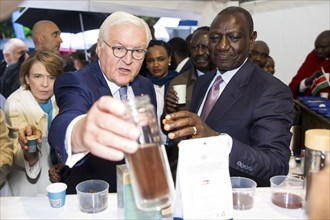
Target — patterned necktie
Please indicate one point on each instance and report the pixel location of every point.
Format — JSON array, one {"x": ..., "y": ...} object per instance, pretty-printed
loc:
[
  {"x": 123, "y": 93},
  {"x": 211, "y": 98}
]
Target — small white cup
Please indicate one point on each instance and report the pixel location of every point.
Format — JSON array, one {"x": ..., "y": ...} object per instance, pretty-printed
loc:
[
  {"x": 56, "y": 194},
  {"x": 181, "y": 93}
]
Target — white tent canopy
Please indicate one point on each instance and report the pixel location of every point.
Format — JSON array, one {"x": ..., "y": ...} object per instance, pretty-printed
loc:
[
  {"x": 289, "y": 27},
  {"x": 188, "y": 9},
  {"x": 201, "y": 10}
]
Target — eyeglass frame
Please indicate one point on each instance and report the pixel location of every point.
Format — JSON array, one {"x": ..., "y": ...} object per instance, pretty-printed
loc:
[{"x": 122, "y": 47}]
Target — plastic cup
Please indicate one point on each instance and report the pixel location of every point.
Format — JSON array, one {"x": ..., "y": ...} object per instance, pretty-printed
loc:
[
  {"x": 93, "y": 196},
  {"x": 56, "y": 194},
  {"x": 181, "y": 93},
  {"x": 243, "y": 192},
  {"x": 32, "y": 143},
  {"x": 287, "y": 191}
]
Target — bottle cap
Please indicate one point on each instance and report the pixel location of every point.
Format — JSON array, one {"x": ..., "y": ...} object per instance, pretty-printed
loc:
[{"x": 318, "y": 139}]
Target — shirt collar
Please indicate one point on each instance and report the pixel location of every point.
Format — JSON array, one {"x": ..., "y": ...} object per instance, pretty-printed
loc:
[
  {"x": 199, "y": 73},
  {"x": 112, "y": 86},
  {"x": 181, "y": 64},
  {"x": 230, "y": 73}
]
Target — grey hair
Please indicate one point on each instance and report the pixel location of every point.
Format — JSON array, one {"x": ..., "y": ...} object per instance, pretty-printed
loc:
[{"x": 123, "y": 18}]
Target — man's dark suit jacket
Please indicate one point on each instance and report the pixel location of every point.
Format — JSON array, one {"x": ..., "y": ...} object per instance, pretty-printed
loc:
[
  {"x": 75, "y": 94},
  {"x": 256, "y": 110},
  {"x": 9, "y": 82}
]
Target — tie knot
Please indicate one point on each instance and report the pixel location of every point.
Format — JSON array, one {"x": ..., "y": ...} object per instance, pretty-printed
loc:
[
  {"x": 217, "y": 81},
  {"x": 123, "y": 92}
]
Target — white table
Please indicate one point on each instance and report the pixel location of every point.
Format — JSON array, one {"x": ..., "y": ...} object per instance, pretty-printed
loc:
[{"x": 39, "y": 208}]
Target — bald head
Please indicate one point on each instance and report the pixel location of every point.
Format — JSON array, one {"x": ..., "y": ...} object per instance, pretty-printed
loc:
[
  {"x": 262, "y": 45},
  {"x": 46, "y": 35},
  {"x": 259, "y": 53},
  {"x": 322, "y": 45},
  {"x": 13, "y": 49}
]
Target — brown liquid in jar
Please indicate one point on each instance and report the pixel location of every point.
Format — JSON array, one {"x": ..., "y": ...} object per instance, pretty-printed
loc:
[{"x": 149, "y": 172}]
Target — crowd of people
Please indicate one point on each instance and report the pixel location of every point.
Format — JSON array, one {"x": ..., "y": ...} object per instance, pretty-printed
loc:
[{"x": 73, "y": 113}]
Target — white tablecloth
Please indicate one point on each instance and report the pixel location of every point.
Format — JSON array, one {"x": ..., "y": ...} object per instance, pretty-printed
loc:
[{"x": 39, "y": 208}]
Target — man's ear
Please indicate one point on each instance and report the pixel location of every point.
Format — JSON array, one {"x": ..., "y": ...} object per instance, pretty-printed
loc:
[
  {"x": 98, "y": 46},
  {"x": 39, "y": 38},
  {"x": 253, "y": 38}
]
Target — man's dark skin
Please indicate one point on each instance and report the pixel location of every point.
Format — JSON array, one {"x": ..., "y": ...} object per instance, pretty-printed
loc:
[{"x": 231, "y": 40}]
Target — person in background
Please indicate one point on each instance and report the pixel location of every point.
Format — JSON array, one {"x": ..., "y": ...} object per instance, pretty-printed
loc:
[
  {"x": 3, "y": 66},
  {"x": 67, "y": 62},
  {"x": 312, "y": 67},
  {"x": 252, "y": 107},
  {"x": 202, "y": 64},
  {"x": 46, "y": 35},
  {"x": 7, "y": 156},
  {"x": 259, "y": 53},
  {"x": 187, "y": 40},
  {"x": 33, "y": 105},
  {"x": 15, "y": 52},
  {"x": 160, "y": 63},
  {"x": 269, "y": 66},
  {"x": 181, "y": 54},
  {"x": 13, "y": 49},
  {"x": 78, "y": 59},
  {"x": 7, "y": 147},
  {"x": 92, "y": 53},
  {"x": 91, "y": 132}
]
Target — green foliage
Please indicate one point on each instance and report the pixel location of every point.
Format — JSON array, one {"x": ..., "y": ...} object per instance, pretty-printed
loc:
[
  {"x": 7, "y": 30},
  {"x": 150, "y": 20}
]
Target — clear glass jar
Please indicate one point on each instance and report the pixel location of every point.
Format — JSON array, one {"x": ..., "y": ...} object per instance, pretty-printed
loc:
[{"x": 148, "y": 167}]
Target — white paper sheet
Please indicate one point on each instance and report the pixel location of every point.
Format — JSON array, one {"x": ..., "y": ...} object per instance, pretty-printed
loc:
[{"x": 203, "y": 187}]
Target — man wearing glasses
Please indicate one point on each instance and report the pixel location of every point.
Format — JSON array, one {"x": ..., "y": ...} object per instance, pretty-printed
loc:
[{"x": 90, "y": 132}]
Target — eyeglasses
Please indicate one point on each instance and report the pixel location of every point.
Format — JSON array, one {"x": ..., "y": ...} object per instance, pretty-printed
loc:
[{"x": 121, "y": 51}]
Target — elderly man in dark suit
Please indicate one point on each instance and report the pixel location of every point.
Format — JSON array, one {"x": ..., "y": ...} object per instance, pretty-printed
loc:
[
  {"x": 252, "y": 107},
  {"x": 90, "y": 132}
]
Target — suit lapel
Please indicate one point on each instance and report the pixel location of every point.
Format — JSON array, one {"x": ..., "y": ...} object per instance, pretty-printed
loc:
[
  {"x": 104, "y": 88},
  {"x": 138, "y": 89}
]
